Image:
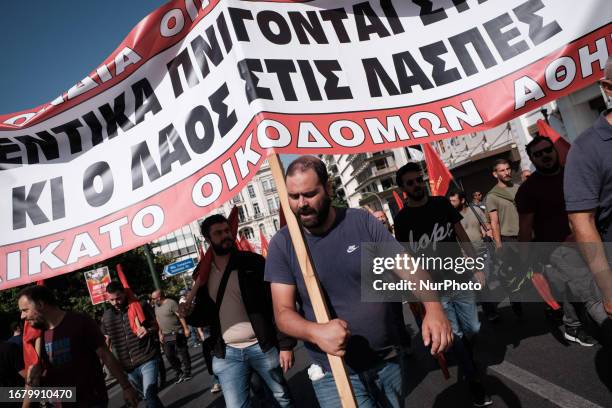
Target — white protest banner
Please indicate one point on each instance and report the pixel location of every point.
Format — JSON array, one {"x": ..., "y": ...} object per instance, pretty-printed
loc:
[{"x": 182, "y": 114}]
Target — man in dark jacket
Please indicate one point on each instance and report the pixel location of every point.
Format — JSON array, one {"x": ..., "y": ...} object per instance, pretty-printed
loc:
[
  {"x": 137, "y": 352},
  {"x": 237, "y": 304}
]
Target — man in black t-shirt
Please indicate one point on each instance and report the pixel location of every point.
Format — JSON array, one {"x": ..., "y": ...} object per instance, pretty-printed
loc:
[{"x": 431, "y": 227}]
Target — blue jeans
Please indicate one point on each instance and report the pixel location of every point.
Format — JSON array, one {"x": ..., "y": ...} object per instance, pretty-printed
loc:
[
  {"x": 144, "y": 379},
  {"x": 234, "y": 372},
  {"x": 462, "y": 312},
  {"x": 387, "y": 380}
]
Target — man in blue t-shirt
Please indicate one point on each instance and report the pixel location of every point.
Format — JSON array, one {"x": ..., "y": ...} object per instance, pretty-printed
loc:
[
  {"x": 365, "y": 334},
  {"x": 588, "y": 194}
]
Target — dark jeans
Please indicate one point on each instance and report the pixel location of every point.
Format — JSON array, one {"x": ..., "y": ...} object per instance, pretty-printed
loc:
[{"x": 178, "y": 346}]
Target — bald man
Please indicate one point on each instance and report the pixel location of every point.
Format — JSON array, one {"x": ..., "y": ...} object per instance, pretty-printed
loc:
[
  {"x": 173, "y": 333},
  {"x": 382, "y": 217}
]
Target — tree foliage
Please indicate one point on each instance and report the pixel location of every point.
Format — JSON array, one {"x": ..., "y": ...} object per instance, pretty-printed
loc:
[{"x": 71, "y": 289}]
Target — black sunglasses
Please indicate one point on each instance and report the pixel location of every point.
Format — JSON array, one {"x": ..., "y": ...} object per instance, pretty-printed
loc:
[
  {"x": 539, "y": 153},
  {"x": 418, "y": 180}
]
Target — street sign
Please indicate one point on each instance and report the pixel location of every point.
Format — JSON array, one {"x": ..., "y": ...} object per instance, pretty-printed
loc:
[{"x": 179, "y": 267}]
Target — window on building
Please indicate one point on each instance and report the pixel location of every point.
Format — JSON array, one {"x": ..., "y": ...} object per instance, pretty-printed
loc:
[
  {"x": 251, "y": 191},
  {"x": 275, "y": 222},
  {"x": 267, "y": 185},
  {"x": 241, "y": 214},
  {"x": 237, "y": 198},
  {"x": 386, "y": 183},
  {"x": 262, "y": 228},
  {"x": 256, "y": 209},
  {"x": 381, "y": 164},
  {"x": 441, "y": 146},
  {"x": 247, "y": 233}
]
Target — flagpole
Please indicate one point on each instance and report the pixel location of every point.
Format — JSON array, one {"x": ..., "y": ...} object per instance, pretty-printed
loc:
[{"x": 343, "y": 384}]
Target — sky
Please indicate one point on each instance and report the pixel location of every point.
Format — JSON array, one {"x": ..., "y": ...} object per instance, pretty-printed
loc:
[{"x": 48, "y": 46}]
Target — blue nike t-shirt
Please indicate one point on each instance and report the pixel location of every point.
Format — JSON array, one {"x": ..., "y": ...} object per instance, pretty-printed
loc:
[{"x": 337, "y": 259}]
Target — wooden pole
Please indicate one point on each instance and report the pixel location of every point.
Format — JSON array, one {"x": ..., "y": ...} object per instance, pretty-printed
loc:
[{"x": 343, "y": 384}]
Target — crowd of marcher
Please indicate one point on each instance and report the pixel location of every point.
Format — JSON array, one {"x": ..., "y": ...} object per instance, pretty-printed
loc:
[{"x": 250, "y": 311}]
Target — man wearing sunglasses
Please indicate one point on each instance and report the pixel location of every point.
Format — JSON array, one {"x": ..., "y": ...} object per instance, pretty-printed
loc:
[
  {"x": 431, "y": 227},
  {"x": 542, "y": 218}
]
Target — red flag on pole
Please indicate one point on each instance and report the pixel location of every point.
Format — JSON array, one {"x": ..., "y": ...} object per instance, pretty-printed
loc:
[
  {"x": 439, "y": 176},
  {"x": 560, "y": 143},
  {"x": 135, "y": 312},
  {"x": 264, "y": 244},
  {"x": 398, "y": 200},
  {"x": 246, "y": 245}
]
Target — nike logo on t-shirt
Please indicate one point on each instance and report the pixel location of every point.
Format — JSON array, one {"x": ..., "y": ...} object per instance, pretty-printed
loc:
[{"x": 351, "y": 248}]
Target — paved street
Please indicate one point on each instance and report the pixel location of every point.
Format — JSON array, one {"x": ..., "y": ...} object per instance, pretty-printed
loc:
[{"x": 528, "y": 366}]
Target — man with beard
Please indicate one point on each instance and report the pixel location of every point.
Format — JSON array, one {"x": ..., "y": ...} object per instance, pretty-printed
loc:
[
  {"x": 542, "y": 218},
  {"x": 236, "y": 302},
  {"x": 72, "y": 350},
  {"x": 478, "y": 229},
  {"x": 173, "y": 334},
  {"x": 138, "y": 352},
  {"x": 501, "y": 209},
  {"x": 364, "y": 333},
  {"x": 431, "y": 227},
  {"x": 477, "y": 200},
  {"x": 500, "y": 205}
]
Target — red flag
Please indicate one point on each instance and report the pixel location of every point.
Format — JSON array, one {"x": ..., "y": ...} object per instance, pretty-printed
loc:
[
  {"x": 541, "y": 284},
  {"x": 439, "y": 176},
  {"x": 246, "y": 245},
  {"x": 31, "y": 349},
  {"x": 560, "y": 143},
  {"x": 398, "y": 200},
  {"x": 135, "y": 313},
  {"x": 264, "y": 244}
]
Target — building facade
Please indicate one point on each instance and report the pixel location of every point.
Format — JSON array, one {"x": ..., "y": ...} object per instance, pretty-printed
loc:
[{"x": 258, "y": 210}]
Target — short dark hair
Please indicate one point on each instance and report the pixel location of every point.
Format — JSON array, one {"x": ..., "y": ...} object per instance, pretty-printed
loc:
[
  {"x": 209, "y": 222},
  {"x": 15, "y": 325},
  {"x": 410, "y": 167},
  {"x": 38, "y": 293},
  {"x": 498, "y": 162},
  {"x": 537, "y": 139},
  {"x": 115, "y": 287},
  {"x": 307, "y": 162},
  {"x": 461, "y": 194},
  {"x": 477, "y": 191}
]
